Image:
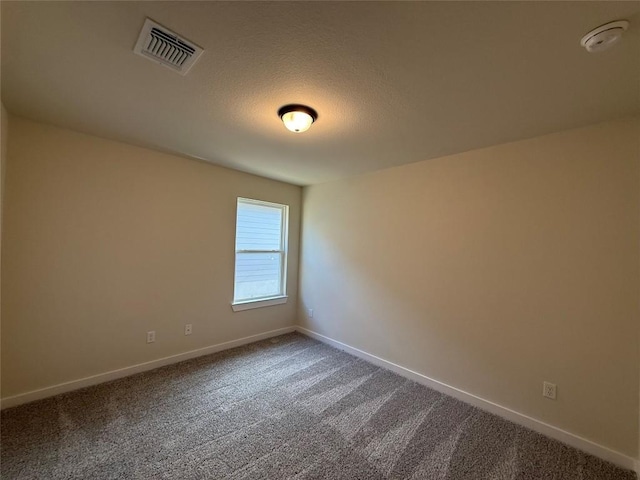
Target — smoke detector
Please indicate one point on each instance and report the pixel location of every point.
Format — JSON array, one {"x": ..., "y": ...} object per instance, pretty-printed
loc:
[
  {"x": 161, "y": 45},
  {"x": 604, "y": 37}
]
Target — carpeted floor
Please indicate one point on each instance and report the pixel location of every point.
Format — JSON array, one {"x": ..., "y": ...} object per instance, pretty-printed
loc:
[{"x": 288, "y": 407}]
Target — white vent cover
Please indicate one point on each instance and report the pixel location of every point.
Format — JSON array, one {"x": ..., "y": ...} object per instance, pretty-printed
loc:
[{"x": 167, "y": 48}]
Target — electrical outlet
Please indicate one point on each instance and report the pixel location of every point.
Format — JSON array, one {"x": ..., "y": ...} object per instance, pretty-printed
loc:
[
  {"x": 311, "y": 313},
  {"x": 549, "y": 390},
  {"x": 188, "y": 328},
  {"x": 151, "y": 336}
]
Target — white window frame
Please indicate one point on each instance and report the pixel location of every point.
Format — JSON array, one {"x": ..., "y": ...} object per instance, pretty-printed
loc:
[{"x": 246, "y": 304}]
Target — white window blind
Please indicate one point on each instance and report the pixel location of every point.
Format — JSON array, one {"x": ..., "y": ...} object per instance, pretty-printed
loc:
[{"x": 261, "y": 232}]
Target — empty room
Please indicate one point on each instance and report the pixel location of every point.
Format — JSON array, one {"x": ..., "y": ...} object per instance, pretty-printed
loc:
[{"x": 320, "y": 240}]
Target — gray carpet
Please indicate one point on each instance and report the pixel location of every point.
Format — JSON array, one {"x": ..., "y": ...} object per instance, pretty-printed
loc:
[{"x": 284, "y": 408}]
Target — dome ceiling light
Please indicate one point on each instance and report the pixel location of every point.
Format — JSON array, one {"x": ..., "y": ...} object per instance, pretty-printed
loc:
[
  {"x": 604, "y": 37},
  {"x": 297, "y": 118}
]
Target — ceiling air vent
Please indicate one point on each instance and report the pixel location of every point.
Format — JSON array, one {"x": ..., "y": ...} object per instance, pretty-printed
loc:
[{"x": 165, "y": 47}]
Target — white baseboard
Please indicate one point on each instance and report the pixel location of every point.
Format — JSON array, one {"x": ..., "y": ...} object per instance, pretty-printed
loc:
[
  {"x": 127, "y": 371},
  {"x": 563, "y": 436},
  {"x": 516, "y": 417}
]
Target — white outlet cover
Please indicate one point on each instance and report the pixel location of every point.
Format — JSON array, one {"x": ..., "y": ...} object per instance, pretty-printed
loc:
[
  {"x": 151, "y": 336},
  {"x": 549, "y": 390},
  {"x": 188, "y": 329}
]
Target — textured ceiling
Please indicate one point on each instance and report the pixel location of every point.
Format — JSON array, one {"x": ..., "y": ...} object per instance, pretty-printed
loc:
[{"x": 393, "y": 82}]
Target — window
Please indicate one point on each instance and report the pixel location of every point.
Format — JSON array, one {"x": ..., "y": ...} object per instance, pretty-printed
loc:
[{"x": 261, "y": 254}]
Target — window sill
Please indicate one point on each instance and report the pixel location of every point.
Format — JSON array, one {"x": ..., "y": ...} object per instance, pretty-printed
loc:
[{"x": 264, "y": 302}]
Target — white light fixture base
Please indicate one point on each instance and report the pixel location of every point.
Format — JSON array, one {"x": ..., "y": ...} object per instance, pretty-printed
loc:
[{"x": 604, "y": 37}]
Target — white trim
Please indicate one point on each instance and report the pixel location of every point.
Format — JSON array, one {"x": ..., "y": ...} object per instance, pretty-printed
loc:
[
  {"x": 265, "y": 302},
  {"x": 141, "y": 367},
  {"x": 544, "y": 428}
]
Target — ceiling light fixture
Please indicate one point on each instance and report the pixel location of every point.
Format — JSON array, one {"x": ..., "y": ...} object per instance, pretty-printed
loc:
[
  {"x": 604, "y": 37},
  {"x": 297, "y": 118}
]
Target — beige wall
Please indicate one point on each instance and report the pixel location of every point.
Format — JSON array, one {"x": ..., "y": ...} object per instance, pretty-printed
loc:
[
  {"x": 104, "y": 241},
  {"x": 4, "y": 131},
  {"x": 492, "y": 271}
]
